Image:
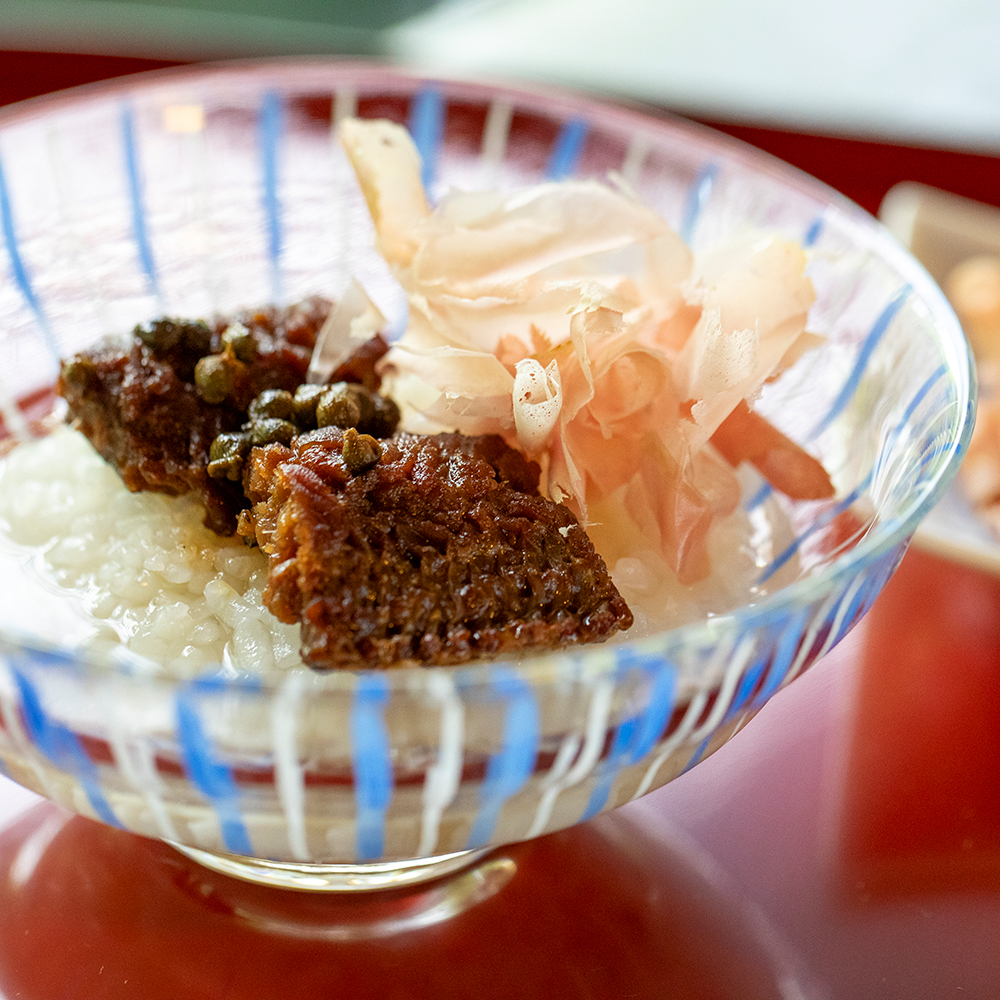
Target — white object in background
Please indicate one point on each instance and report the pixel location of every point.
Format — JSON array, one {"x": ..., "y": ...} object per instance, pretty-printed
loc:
[
  {"x": 943, "y": 230},
  {"x": 925, "y": 71}
]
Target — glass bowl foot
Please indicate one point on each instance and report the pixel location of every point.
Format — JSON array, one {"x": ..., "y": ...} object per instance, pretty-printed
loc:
[{"x": 332, "y": 878}]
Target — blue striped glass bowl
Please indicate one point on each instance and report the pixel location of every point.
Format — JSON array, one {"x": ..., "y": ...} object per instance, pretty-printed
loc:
[{"x": 201, "y": 190}]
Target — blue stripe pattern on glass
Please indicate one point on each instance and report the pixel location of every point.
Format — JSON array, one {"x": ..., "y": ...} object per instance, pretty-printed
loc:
[
  {"x": 819, "y": 523},
  {"x": 18, "y": 271},
  {"x": 931, "y": 453},
  {"x": 823, "y": 520},
  {"x": 269, "y": 135},
  {"x": 784, "y": 654},
  {"x": 875, "y": 578},
  {"x": 567, "y": 149},
  {"x": 933, "y": 379},
  {"x": 508, "y": 770},
  {"x": 698, "y": 754},
  {"x": 371, "y": 762},
  {"x": 426, "y": 124},
  {"x": 766, "y": 489},
  {"x": 864, "y": 355},
  {"x": 133, "y": 174},
  {"x": 697, "y": 198},
  {"x": 636, "y": 736},
  {"x": 880, "y": 573},
  {"x": 209, "y": 774},
  {"x": 813, "y": 232},
  {"x": 745, "y": 688},
  {"x": 62, "y": 747}
]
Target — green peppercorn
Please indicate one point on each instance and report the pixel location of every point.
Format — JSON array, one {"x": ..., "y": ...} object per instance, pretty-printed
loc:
[
  {"x": 164, "y": 334},
  {"x": 360, "y": 451},
  {"x": 197, "y": 336},
  {"x": 271, "y": 431},
  {"x": 338, "y": 407},
  {"x": 80, "y": 372},
  {"x": 305, "y": 400},
  {"x": 159, "y": 334},
  {"x": 240, "y": 342},
  {"x": 215, "y": 377},
  {"x": 227, "y": 454},
  {"x": 276, "y": 403},
  {"x": 365, "y": 404},
  {"x": 385, "y": 419}
]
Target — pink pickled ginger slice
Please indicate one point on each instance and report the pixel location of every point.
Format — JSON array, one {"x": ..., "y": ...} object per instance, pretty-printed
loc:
[{"x": 571, "y": 319}]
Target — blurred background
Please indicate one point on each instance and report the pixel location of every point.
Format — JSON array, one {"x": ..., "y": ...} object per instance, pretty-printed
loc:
[{"x": 827, "y": 85}]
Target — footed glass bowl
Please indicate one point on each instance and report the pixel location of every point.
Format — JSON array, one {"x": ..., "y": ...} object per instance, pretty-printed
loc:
[{"x": 192, "y": 191}]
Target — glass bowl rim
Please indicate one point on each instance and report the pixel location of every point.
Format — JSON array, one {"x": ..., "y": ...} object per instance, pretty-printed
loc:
[{"x": 621, "y": 115}]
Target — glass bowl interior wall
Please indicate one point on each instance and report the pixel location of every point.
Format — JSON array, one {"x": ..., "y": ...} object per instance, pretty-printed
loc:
[{"x": 193, "y": 192}]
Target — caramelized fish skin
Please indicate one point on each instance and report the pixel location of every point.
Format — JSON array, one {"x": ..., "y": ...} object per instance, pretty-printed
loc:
[
  {"x": 151, "y": 424},
  {"x": 142, "y": 410},
  {"x": 441, "y": 553}
]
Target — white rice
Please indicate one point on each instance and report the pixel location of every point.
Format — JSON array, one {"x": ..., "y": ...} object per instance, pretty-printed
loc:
[
  {"x": 140, "y": 564},
  {"x": 87, "y": 562}
]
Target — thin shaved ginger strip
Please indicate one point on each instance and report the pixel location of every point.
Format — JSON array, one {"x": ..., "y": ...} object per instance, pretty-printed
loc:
[
  {"x": 755, "y": 300},
  {"x": 537, "y": 402},
  {"x": 353, "y": 320},
  {"x": 572, "y": 320},
  {"x": 745, "y": 436},
  {"x": 388, "y": 168}
]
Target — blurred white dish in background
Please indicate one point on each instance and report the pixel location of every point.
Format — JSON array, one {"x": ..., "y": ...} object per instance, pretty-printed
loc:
[{"x": 923, "y": 73}]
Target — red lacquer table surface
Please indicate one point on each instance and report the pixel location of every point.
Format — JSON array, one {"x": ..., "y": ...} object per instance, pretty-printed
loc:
[{"x": 846, "y": 844}]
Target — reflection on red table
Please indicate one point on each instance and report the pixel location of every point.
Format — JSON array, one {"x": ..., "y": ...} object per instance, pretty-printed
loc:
[{"x": 605, "y": 910}]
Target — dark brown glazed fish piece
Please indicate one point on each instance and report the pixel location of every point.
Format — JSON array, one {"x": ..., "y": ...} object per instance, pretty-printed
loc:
[
  {"x": 441, "y": 552},
  {"x": 142, "y": 409}
]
